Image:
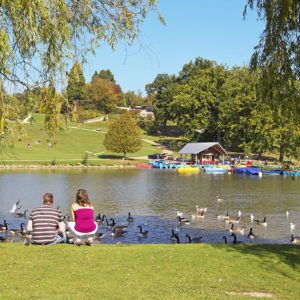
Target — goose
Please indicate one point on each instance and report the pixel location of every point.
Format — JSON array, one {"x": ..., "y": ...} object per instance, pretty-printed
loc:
[
  {"x": 118, "y": 233},
  {"x": 295, "y": 239},
  {"x": 22, "y": 215},
  {"x": 175, "y": 237},
  {"x": 66, "y": 218},
  {"x": 3, "y": 227},
  {"x": 130, "y": 218},
  {"x": 5, "y": 240},
  {"x": 223, "y": 217},
  {"x": 99, "y": 235},
  {"x": 15, "y": 207},
  {"x": 18, "y": 231},
  {"x": 194, "y": 239},
  {"x": 201, "y": 215},
  {"x": 142, "y": 233},
  {"x": 251, "y": 217},
  {"x": 225, "y": 239},
  {"x": 251, "y": 235},
  {"x": 179, "y": 213},
  {"x": 183, "y": 221},
  {"x": 235, "y": 241},
  {"x": 262, "y": 222},
  {"x": 201, "y": 209},
  {"x": 233, "y": 220},
  {"x": 240, "y": 230},
  {"x": 219, "y": 199},
  {"x": 112, "y": 224},
  {"x": 293, "y": 226}
]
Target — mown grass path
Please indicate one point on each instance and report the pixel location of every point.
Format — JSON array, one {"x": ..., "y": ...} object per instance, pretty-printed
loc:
[{"x": 149, "y": 271}]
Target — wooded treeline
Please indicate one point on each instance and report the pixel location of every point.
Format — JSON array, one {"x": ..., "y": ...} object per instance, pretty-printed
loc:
[{"x": 211, "y": 102}]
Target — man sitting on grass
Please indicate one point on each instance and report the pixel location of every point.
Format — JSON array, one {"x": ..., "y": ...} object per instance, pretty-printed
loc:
[{"x": 46, "y": 223}]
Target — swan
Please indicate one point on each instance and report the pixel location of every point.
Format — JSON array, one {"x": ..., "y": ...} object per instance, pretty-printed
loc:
[
  {"x": 15, "y": 207},
  {"x": 251, "y": 217}
]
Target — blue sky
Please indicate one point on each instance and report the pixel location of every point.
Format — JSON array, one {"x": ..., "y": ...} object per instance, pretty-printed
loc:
[{"x": 212, "y": 29}]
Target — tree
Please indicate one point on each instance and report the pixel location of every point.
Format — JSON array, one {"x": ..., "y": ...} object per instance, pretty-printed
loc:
[
  {"x": 40, "y": 36},
  {"x": 76, "y": 89},
  {"x": 107, "y": 74},
  {"x": 123, "y": 136},
  {"x": 103, "y": 94}
]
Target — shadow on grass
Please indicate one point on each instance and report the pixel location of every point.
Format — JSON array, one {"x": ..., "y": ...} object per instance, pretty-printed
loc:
[{"x": 288, "y": 254}]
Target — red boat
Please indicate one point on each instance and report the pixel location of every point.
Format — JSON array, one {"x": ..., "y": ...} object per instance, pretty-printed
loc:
[{"x": 143, "y": 166}]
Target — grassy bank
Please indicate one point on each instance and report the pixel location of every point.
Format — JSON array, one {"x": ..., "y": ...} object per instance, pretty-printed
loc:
[{"x": 149, "y": 271}]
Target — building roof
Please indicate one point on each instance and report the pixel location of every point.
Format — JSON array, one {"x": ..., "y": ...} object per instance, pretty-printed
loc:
[{"x": 195, "y": 148}]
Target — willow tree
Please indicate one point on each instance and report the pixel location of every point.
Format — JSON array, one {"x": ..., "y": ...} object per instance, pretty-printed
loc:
[{"x": 39, "y": 38}]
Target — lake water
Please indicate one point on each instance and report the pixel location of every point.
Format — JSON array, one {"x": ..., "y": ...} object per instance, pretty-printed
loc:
[{"x": 154, "y": 196}]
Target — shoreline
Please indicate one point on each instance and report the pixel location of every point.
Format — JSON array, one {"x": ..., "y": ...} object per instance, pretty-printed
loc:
[{"x": 6, "y": 167}]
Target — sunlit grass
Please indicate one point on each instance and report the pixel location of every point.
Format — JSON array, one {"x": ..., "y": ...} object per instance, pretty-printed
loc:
[{"x": 148, "y": 271}]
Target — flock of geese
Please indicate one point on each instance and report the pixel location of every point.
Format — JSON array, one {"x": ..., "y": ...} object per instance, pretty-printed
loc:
[{"x": 108, "y": 226}]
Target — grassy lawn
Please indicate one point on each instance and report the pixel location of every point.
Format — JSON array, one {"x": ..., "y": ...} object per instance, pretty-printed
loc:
[
  {"x": 71, "y": 145},
  {"x": 149, "y": 271}
]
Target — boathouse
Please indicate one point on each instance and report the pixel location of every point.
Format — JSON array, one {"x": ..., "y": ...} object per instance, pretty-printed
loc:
[{"x": 204, "y": 153}]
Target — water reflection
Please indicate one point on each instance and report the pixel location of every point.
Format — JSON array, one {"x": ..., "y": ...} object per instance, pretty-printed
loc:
[{"x": 154, "y": 196}]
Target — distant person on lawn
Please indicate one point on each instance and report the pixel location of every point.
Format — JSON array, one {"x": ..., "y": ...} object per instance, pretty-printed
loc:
[
  {"x": 83, "y": 225},
  {"x": 46, "y": 223}
]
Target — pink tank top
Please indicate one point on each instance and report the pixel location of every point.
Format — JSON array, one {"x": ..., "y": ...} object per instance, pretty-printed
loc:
[{"x": 84, "y": 220}]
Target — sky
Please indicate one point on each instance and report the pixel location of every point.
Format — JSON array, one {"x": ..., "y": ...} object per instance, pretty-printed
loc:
[{"x": 211, "y": 29}]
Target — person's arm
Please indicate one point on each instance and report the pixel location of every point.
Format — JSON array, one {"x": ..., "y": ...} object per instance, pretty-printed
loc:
[
  {"x": 61, "y": 227},
  {"x": 72, "y": 213},
  {"x": 29, "y": 225}
]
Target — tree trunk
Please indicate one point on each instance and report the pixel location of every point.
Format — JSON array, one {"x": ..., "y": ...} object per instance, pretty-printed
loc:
[
  {"x": 281, "y": 153},
  {"x": 124, "y": 156}
]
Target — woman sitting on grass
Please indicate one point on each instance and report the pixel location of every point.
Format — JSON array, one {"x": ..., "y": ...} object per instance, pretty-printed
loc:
[{"x": 83, "y": 225}]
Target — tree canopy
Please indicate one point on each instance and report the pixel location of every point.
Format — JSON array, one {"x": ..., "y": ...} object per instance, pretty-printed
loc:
[{"x": 123, "y": 136}]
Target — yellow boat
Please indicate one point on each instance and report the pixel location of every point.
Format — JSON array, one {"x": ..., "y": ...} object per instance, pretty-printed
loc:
[{"x": 188, "y": 169}]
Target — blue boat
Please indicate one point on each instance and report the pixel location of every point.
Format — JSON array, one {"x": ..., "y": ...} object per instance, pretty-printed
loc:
[
  {"x": 291, "y": 173},
  {"x": 271, "y": 172}
]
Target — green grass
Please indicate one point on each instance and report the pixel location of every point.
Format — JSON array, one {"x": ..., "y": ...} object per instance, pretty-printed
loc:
[
  {"x": 148, "y": 271},
  {"x": 70, "y": 148}
]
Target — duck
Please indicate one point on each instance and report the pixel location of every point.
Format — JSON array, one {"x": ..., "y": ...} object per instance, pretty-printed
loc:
[
  {"x": 130, "y": 218},
  {"x": 99, "y": 235},
  {"x": 262, "y": 222},
  {"x": 142, "y": 233},
  {"x": 240, "y": 230},
  {"x": 295, "y": 239},
  {"x": 3, "y": 227},
  {"x": 183, "y": 221},
  {"x": 194, "y": 239},
  {"x": 235, "y": 241},
  {"x": 225, "y": 239},
  {"x": 251, "y": 235},
  {"x": 201, "y": 209},
  {"x": 223, "y": 217},
  {"x": 23, "y": 214}
]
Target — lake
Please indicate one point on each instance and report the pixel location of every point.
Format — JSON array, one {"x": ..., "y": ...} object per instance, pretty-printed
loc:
[{"x": 154, "y": 196}]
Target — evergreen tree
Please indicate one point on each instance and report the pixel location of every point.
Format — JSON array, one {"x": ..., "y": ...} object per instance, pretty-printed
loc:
[
  {"x": 123, "y": 136},
  {"x": 76, "y": 84}
]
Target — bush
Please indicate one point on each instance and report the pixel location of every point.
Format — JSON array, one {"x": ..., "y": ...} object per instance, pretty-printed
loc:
[{"x": 85, "y": 158}]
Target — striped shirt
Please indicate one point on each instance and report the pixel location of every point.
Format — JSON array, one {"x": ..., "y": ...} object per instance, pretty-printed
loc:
[{"x": 45, "y": 220}]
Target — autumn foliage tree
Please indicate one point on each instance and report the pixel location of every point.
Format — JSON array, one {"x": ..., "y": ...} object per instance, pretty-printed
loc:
[{"x": 123, "y": 136}]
